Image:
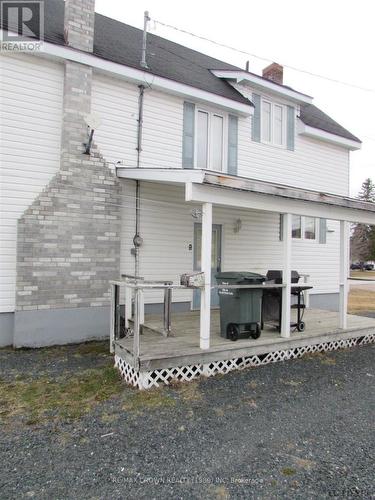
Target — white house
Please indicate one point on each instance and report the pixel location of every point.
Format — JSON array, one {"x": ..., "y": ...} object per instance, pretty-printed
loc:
[{"x": 185, "y": 141}]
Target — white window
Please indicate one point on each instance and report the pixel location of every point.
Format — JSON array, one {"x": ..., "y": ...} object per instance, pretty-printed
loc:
[
  {"x": 266, "y": 121},
  {"x": 310, "y": 228},
  {"x": 273, "y": 126},
  {"x": 217, "y": 142},
  {"x": 202, "y": 142},
  {"x": 303, "y": 227},
  {"x": 210, "y": 140},
  {"x": 278, "y": 129},
  {"x": 296, "y": 226}
]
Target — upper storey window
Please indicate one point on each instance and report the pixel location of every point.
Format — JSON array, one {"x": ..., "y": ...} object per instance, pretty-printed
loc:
[
  {"x": 273, "y": 123},
  {"x": 210, "y": 139}
]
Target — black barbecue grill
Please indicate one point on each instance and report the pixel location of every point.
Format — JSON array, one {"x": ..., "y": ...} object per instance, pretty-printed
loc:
[{"x": 272, "y": 300}]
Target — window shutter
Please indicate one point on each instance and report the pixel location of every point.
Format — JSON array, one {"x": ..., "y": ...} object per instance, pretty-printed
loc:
[
  {"x": 232, "y": 144},
  {"x": 290, "y": 128},
  {"x": 281, "y": 226},
  {"x": 255, "y": 133},
  {"x": 322, "y": 230},
  {"x": 188, "y": 136}
]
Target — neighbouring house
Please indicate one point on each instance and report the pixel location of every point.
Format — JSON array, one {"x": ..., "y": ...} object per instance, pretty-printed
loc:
[{"x": 196, "y": 165}]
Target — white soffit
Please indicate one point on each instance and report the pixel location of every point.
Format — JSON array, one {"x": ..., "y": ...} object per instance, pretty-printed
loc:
[{"x": 260, "y": 83}]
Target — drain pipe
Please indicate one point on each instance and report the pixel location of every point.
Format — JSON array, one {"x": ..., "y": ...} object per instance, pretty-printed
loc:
[{"x": 137, "y": 240}]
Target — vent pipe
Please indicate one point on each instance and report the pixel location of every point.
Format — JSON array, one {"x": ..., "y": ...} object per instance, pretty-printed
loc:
[{"x": 146, "y": 19}]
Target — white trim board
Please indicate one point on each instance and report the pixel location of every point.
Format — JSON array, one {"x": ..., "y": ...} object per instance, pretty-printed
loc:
[
  {"x": 168, "y": 175},
  {"x": 262, "y": 83},
  {"x": 270, "y": 203},
  {"x": 322, "y": 135},
  {"x": 223, "y": 189},
  {"x": 142, "y": 77}
]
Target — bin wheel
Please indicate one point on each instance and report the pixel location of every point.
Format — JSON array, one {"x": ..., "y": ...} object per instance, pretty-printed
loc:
[
  {"x": 233, "y": 331},
  {"x": 256, "y": 334},
  {"x": 301, "y": 326}
]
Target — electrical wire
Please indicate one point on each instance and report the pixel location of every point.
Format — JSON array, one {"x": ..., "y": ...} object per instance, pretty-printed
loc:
[{"x": 266, "y": 59}]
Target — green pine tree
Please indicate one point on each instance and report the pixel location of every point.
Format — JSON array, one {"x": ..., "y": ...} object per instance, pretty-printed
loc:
[{"x": 362, "y": 241}]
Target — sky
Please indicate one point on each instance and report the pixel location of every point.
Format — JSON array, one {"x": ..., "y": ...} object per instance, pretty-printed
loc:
[{"x": 332, "y": 38}]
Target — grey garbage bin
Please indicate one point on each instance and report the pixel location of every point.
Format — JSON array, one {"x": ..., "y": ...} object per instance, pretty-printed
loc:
[{"x": 240, "y": 308}]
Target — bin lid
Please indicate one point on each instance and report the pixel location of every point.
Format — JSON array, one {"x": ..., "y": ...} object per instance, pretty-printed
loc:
[{"x": 240, "y": 276}]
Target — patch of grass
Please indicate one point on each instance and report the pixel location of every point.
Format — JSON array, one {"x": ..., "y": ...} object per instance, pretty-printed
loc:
[
  {"x": 361, "y": 300},
  {"x": 138, "y": 401},
  {"x": 66, "y": 398},
  {"x": 293, "y": 383},
  {"x": 96, "y": 348},
  {"x": 189, "y": 391},
  {"x": 363, "y": 274},
  {"x": 288, "y": 471},
  {"x": 220, "y": 493}
]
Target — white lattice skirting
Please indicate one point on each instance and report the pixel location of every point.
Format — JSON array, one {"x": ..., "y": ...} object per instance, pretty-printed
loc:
[{"x": 155, "y": 378}]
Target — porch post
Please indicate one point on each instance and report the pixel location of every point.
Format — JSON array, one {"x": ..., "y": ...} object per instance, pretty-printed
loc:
[
  {"x": 287, "y": 270},
  {"x": 344, "y": 260},
  {"x": 205, "y": 316}
]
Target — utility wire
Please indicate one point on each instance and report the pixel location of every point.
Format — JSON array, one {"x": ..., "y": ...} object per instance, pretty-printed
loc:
[{"x": 266, "y": 59}]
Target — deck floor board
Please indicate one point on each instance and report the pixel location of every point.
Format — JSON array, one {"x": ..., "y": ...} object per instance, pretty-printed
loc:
[{"x": 184, "y": 342}]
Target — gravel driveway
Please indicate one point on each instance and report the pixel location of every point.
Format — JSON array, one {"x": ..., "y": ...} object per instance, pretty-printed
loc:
[{"x": 298, "y": 429}]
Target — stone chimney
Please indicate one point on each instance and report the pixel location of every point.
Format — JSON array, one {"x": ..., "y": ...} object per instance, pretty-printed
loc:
[
  {"x": 79, "y": 22},
  {"x": 69, "y": 237},
  {"x": 274, "y": 72}
]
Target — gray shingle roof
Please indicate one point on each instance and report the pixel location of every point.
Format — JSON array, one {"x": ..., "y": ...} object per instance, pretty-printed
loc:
[
  {"x": 314, "y": 117},
  {"x": 121, "y": 43}
]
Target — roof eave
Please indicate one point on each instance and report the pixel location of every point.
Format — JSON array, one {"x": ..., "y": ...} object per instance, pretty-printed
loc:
[
  {"x": 263, "y": 84},
  {"x": 322, "y": 135},
  {"x": 139, "y": 76}
]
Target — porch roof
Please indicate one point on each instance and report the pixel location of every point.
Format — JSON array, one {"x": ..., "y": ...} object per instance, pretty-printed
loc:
[{"x": 222, "y": 189}]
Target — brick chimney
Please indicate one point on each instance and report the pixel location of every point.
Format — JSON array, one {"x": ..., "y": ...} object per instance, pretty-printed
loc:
[
  {"x": 79, "y": 21},
  {"x": 274, "y": 72}
]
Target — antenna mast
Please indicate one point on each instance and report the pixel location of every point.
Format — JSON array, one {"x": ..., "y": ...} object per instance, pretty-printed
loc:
[{"x": 146, "y": 19}]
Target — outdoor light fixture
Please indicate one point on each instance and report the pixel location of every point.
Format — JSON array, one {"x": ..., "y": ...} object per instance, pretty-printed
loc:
[
  {"x": 93, "y": 122},
  {"x": 196, "y": 213}
]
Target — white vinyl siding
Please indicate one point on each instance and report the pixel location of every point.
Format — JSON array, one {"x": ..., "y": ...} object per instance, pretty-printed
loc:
[
  {"x": 167, "y": 229},
  {"x": 116, "y": 102},
  {"x": 30, "y": 133},
  {"x": 313, "y": 164}
]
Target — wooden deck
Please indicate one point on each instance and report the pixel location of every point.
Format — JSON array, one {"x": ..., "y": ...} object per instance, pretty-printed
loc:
[{"x": 182, "y": 348}]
